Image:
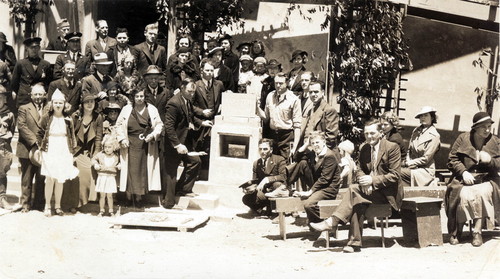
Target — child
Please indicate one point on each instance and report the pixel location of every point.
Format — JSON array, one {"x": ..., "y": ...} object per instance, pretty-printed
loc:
[
  {"x": 107, "y": 164},
  {"x": 111, "y": 113},
  {"x": 347, "y": 163},
  {"x": 6, "y": 133}
]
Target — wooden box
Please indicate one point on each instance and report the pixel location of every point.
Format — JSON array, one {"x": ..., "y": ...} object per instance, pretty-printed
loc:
[{"x": 422, "y": 221}]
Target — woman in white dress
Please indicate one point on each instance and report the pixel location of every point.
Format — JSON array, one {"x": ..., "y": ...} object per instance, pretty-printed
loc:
[{"x": 56, "y": 143}]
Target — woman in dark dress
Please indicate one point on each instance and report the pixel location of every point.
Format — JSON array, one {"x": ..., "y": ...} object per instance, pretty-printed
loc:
[
  {"x": 390, "y": 125},
  {"x": 138, "y": 128}
]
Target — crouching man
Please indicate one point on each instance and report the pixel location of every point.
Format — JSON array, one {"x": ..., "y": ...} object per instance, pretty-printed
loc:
[
  {"x": 268, "y": 176},
  {"x": 319, "y": 169}
]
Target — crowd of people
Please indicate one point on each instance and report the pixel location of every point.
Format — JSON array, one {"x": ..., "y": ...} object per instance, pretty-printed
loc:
[{"x": 121, "y": 118}]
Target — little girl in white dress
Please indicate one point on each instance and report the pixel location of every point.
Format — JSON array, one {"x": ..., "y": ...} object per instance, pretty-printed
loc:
[{"x": 107, "y": 164}]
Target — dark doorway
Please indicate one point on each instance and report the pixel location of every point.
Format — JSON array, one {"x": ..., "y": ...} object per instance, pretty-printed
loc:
[{"x": 131, "y": 14}]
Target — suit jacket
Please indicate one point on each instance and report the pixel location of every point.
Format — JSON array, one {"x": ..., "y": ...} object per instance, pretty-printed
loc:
[
  {"x": 388, "y": 170},
  {"x": 93, "y": 84},
  {"x": 326, "y": 171},
  {"x": 177, "y": 123},
  {"x": 94, "y": 134},
  {"x": 72, "y": 94},
  {"x": 295, "y": 87},
  {"x": 324, "y": 118},
  {"x": 200, "y": 97},
  {"x": 57, "y": 44},
  {"x": 134, "y": 51},
  {"x": 25, "y": 76},
  {"x": 275, "y": 169},
  {"x": 158, "y": 58},
  {"x": 94, "y": 46},
  {"x": 43, "y": 133},
  {"x": 160, "y": 101},
  {"x": 82, "y": 67},
  {"x": 28, "y": 126},
  {"x": 8, "y": 55}
]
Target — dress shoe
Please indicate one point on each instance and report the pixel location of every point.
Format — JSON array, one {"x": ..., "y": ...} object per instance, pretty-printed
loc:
[
  {"x": 59, "y": 212},
  {"x": 351, "y": 249},
  {"x": 325, "y": 225},
  {"x": 4, "y": 204},
  {"x": 278, "y": 193},
  {"x": 454, "y": 240},
  {"x": 25, "y": 209},
  {"x": 477, "y": 239},
  {"x": 47, "y": 212}
]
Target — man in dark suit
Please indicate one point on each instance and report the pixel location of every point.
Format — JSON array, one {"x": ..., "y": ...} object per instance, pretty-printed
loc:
[
  {"x": 103, "y": 43},
  {"x": 321, "y": 117},
  {"x": 68, "y": 85},
  {"x": 7, "y": 53},
  {"x": 123, "y": 49},
  {"x": 28, "y": 126},
  {"x": 378, "y": 176},
  {"x": 180, "y": 122},
  {"x": 30, "y": 71},
  {"x": 150, "y": 53},
  {"x": 319, "y": 170},
  {"x": 268, "y": 175},
  {"x": 60, "y": 43},
  {"x": 82, "y": 63},
  {"x": 96, "y": 84}
]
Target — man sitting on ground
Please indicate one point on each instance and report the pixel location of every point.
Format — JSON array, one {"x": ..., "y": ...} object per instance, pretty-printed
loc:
[
  {"x": 268, "y": 175},
  {"x": 378, "y": 176}
]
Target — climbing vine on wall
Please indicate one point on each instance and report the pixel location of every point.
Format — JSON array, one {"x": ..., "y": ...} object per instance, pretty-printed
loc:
[{"x": 24, "y": 12}]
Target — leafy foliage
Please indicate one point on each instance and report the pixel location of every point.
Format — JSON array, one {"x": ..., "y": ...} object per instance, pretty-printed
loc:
[
  {"x": 24, "y": 10},
  {"x": 369, "y": 51},
  {"x": 491, "y": 94}
]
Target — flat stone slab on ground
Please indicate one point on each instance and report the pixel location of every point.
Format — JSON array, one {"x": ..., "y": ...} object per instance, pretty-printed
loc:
[{"x": 178, "y": 220}]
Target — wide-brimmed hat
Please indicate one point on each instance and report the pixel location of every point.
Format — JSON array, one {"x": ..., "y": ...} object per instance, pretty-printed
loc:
[
  {"x": 246, "y": 57},
  {"x": 425, "y": 109},
  {"x": 152, "y": 70},
  {"x": 297, "y": 53},
  {"x": 102, "y": 59},
  {"x": 481, "y": 118},
  {"x": 225, "y": 37},
  {"x": 3, "y": 38},
  {"x": 242, "y": 45},
  {"x": 73, "y": 36},
  {"x": 88, "y": 97},
  {"x": 35, "y": 157},
  {"x": 214, "y": 50},
  {"x": 33, "y": 41}
]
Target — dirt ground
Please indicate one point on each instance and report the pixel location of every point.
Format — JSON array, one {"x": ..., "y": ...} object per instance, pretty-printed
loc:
[{"x": 86, "y": 246}]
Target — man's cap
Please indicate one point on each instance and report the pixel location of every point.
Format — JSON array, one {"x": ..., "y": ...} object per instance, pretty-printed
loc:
[
  {"x": 88, "y": 97},
  {"x": 63, "y": 23},
  {"x": 246, "y": 57},
  {"x": 425, "y": 109},
  {"x": 3, "y": 38},
  {"x": 481, "y": 118},
  {"x": 152, "y": 70},
  {"x": 225, "y": 37},
  {"x": 260, "y": 59},
  {"x": 102, "y": 59},
  {"x": 297, "y": 53},
  {"x": 32, "y": 41},
  {"x": 273, "y": 63},
  {"x": 240, "y": 46},
  {"x": 214, "y": 50},
  {"x": 73, "y": 36}
]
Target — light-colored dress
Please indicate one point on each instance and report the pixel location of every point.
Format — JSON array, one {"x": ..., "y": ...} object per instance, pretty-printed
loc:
[
  {"x": 106, "y": 176},
  {"x": 57, "y": 162}
]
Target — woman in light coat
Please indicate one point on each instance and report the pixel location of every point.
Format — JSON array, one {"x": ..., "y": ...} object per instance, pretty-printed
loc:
[
  {"x": 138, "y": 130},
  {"x": 425, "y": 141}
]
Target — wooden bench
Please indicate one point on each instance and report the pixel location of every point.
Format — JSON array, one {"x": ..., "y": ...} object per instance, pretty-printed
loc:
[
  {"x": 374, "y": 211},
  {"x": 283, "y": 206}
]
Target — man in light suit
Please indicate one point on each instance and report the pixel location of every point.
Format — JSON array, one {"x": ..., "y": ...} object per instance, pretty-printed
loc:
[
  {"x": 103, "y": 43},
  {"x": 321, "y": 116},
  {"x": 82, "y": 63},
  {"x": 32, "y": 196},
  {"x": 180, "y": 122},
  {"x": 268, "y": 175},
  {"x": 150, "y": 53},
  {"x": 378, "y": 176},
  {"x": 68, "y": 85},
  {"x": 96, "y": 84}
]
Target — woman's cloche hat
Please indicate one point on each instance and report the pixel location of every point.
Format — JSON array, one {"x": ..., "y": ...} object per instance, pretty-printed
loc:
[{"x": 481, "y": 118}]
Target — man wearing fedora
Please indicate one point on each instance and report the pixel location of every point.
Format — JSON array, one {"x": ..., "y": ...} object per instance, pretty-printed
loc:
[
  {"x": 150, "y": 53},
  {"x": 82, "y": 63},
  {"x": 28, "y": 125},
  {"x": 298, "y": 60},
  {"x": 30, "y": 71},
  {"x": 103, "y": 43},
  {"x": 60, "y": 43},
  {"x": 97, "y": 83},
  {"x": 68, "y": 85},
  {"x": 7, "y": 53}
]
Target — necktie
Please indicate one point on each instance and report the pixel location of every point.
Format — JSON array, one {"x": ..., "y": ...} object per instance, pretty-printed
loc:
[
  {"x": 374, "y": 159},
  {"x": 151, "y": 49},
  {"x": 264, "y": 164}
]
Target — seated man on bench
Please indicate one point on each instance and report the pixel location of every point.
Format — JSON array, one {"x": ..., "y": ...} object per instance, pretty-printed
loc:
[
  {"x": 318, "y": 167},
  {"x": 378, "y": 176},
  {"x": 268, "y": 176}
]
